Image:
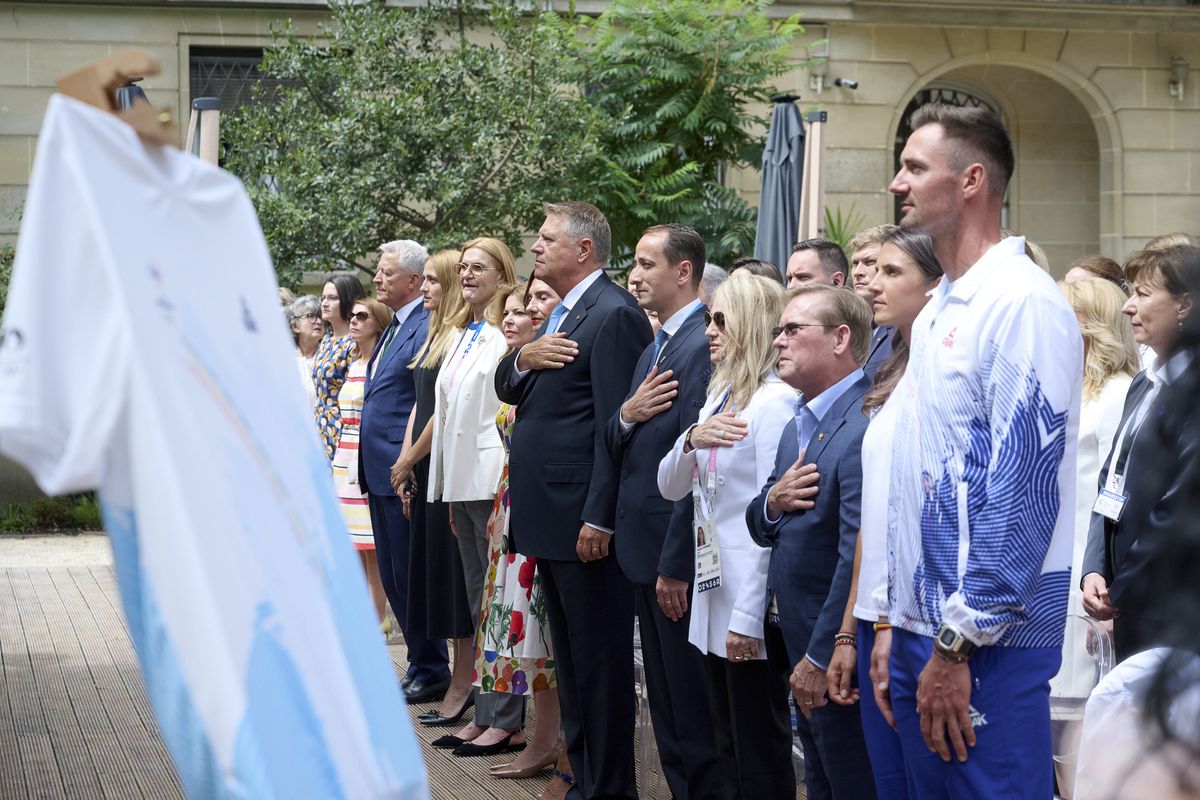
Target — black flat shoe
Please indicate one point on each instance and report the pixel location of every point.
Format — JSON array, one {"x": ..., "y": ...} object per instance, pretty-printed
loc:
[
  {"x": 505, "y": 745},
  {"x": 433, "y": 718},
  {"x": 449, "y": 741},
  {"x": 418, "y": 692}
]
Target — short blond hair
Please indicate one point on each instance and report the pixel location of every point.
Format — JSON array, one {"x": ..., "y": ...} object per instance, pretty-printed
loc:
[{"x": 872, "y": 235}]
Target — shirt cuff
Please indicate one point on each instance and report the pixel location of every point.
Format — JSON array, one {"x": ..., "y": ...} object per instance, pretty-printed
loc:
[
  {"x": 600, "y": 528},
  {"x": 626, "y": 427},
  {"x": 815, "y": 663},
  {"x": 519, "y": 372},
  {"x": 767, "y": 514}
]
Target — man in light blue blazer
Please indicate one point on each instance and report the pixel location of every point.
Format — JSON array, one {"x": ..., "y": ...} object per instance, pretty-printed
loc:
[
  {"x": 823, "y": 336},
  {"x": 388, "y": 398}
]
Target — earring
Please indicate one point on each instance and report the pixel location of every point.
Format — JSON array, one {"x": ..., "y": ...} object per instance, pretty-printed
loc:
[{"x": 1180, "y": 322}]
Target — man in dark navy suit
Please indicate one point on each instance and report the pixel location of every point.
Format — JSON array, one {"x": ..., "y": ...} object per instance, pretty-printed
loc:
[
  {"x": 388, "y": 399},
  {"x": 654, "y": 536},
  {"x": 822, "y": 341},
  {"x": 567, "y": 384}
]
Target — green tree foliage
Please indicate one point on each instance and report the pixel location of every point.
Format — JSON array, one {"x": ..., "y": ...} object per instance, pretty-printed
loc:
[
  {"x": 435, "y": 123},
  {"x": 7, "y": 255},
  {"x": 680, "y": 81}
]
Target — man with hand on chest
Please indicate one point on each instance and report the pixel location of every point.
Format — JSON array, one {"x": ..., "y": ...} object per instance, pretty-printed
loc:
[{"x": 653, "y": 537}]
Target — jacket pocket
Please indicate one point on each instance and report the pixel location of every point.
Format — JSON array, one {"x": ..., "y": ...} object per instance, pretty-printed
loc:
[
  {"x": 567, "y": 473},
  {"x": 486, "y": 440}
]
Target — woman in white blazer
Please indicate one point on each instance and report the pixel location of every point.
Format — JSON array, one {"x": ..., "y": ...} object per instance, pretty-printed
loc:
[
  {"x": 466, "y": 458},
  {"x": 726, "y": 458}
]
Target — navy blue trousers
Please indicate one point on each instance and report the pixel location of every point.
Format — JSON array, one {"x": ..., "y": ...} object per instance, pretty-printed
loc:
[
  {"x": 883, "y": 743},
  {"x": 1010, "y": 710}
]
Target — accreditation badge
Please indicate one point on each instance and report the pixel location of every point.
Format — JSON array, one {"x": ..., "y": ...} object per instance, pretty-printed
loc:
[{"x": 708, "y": 556}]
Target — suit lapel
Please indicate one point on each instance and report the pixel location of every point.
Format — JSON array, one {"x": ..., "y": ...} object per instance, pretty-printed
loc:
[
  {"x": 406, "y": 332},
  {"x": 834, "y": 420},
  {"x": 575, "y": 317}
]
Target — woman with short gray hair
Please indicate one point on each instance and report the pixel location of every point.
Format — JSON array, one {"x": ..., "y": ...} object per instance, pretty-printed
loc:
[{"x": 304, "y": 317}]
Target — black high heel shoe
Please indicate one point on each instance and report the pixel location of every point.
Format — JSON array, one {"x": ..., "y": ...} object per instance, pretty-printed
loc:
[
  {"x": 433, "y": 718},
  {"x": 505, "y": 745}
]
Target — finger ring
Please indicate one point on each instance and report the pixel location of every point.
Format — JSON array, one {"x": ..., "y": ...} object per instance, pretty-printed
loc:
[
  {"x": 720, "y": 434},
  {"x": 808, "y": 702}
]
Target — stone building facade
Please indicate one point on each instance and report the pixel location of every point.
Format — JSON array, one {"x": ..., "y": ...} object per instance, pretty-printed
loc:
[{"x": 1108, "y": 149}]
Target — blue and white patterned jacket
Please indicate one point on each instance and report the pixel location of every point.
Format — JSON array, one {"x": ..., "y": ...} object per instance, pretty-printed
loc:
[{"x": 983, "y": 472}]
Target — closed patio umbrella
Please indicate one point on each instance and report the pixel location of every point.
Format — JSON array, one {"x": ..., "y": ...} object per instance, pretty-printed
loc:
[{"x": 779, "y": 200}]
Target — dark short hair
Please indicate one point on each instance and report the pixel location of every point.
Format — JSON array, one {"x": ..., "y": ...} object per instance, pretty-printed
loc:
[
  {"x": 980, "y": 135},
  {"x": 1176, "y": 269},
  {"x": 831, "y": 254},
  {"x": 683, "y": 244},
  {"x": 584, "y": 221},
  {"x": 349, "y": 290},
  {"x": 756, "y": 266}
]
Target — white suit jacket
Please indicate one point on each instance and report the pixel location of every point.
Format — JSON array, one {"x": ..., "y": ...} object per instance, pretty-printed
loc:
[
  {"x": 739, "y": 603},
  {"x": 467, "y": 455}
]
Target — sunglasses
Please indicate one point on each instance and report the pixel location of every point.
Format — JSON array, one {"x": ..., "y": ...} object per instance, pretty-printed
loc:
[
  {"x": 718, "y": 318},
  {"x": 360, "y": 317},
  {"x": 792, "y": 328}
]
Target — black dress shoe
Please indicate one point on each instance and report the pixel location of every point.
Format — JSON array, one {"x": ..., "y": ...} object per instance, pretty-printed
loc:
[
  {"x": 448, "y": 741},
  {"x": 433, "y": 718},
  {"x": 406, "y": 681},
  {"x": 421, "y": 692},
  {"x": 505, "y": 745}
]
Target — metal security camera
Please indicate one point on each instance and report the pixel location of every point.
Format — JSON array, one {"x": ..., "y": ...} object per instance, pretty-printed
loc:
[{"x": 845, "y": 83}]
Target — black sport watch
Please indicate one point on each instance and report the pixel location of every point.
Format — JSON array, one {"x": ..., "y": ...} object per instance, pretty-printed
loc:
[{"x": 952, "y": 644}]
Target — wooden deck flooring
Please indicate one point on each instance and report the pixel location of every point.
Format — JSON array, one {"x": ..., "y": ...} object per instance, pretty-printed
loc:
[{"x": 74, "y": 719}]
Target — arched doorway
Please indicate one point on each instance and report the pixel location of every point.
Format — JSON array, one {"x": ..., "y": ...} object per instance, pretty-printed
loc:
[{"x": 1054, "y": 197}]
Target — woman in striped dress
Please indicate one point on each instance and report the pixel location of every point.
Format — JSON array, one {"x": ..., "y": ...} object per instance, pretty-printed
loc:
[{"x": 368, "y": 319}]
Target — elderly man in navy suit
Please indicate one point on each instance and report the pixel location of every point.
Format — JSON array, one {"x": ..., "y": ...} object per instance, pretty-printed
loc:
[
  {"x": 387, "y": 401},
  {"x": 566, "y": 385},
  {"x": 653, "y": 536},
  {"x": 823, "y": 336}
]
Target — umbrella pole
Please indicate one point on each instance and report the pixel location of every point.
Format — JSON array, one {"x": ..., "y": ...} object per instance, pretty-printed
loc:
[{"x": 812, "y": 187}]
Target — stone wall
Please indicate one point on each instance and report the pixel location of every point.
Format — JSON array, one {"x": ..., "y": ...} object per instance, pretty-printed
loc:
[{"x": 1106, "y": 158}]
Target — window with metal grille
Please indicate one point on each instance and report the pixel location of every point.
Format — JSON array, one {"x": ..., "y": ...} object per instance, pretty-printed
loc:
[{"x": 227, "y": 73}]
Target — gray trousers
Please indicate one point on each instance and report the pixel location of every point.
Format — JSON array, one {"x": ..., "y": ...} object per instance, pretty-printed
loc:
[{"x": 492, "y": 709}]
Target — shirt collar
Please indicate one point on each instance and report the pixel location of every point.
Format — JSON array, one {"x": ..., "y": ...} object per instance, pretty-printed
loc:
[
  {"x": 964, "y": 289},
  {"x": 572, "y": 297},
  {"x": 820, "y": 405},
  {"x": 676, "y": 320},
  {"x": 1165, "y": 373},
  {"x": 403, "y": 313}
]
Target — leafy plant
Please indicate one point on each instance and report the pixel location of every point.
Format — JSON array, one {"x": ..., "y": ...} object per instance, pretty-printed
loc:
[
  {"x": 677, "y": 80},
  {"x": 71, "y": 512},
  {"x": 437, "y": 123},
  {"x": 841, "y": 229}
]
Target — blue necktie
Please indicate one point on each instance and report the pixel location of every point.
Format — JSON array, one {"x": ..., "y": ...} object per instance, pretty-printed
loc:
[
  {"x": 555, "y": 317},
  {"x": 660, "y": 341}
]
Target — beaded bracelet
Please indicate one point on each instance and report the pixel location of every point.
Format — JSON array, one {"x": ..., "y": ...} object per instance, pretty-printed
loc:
[{"x": 845, "y": 642}]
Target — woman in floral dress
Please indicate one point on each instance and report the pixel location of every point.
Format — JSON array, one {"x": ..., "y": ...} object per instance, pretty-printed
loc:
[
  {"x": 334, "y": 354},
  {"x": 512, "y": 645}
]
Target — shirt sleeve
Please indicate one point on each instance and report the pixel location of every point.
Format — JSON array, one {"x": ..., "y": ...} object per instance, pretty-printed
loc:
[
  {"x": 64, "y": 345},
  {"x": 1017, "y": 484}
]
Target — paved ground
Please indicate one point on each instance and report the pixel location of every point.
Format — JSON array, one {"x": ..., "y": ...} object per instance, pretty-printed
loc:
[{"x": 74, "y": 721}]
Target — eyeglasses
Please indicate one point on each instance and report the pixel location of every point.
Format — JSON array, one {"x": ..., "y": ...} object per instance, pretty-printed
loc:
[
  {"x": 360, "y": 316},
  {"x": 311, "y": 316},
  {"x": 718, "y": 318},
  {"x": 792, "y": 328},
  {"x": 475, "y": 269}
]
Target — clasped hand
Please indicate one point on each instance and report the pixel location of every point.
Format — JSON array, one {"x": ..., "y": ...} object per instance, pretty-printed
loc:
[{"x": 720, "y": 430}]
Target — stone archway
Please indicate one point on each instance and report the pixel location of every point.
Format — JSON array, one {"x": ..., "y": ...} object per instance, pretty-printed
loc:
[{"x": 1065, "y": 194}]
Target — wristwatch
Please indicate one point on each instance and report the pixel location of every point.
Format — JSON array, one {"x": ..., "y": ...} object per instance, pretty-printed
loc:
[
  {"x": 952, "y": 644},
  {"x": 687, "y": 439}
]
